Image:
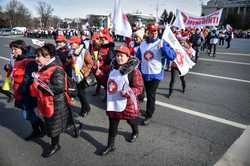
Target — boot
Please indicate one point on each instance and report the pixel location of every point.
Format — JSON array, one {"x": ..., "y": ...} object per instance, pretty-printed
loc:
[
  {"x": 110, "y": 147},
  {"x": 170, "y": 93},
  {"x": 183, "y": 88}
]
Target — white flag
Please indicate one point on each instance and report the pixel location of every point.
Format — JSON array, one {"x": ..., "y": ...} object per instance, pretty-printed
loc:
[
  {"x": 38, "y": 42},
  {"x": 179, "y": 20},
  {"x": 121, "y": 25},
  {"x": 182, "y": 60}
]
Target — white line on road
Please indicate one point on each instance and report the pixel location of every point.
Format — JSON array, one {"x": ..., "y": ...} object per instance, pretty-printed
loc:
[
  {"x": 214, "y": 76},
  {"x": 202, "y": 115},
  {"x": 233, "y": 53},
  {"x": 4, "y": 58},
  {"x": 223, "y": 61}
]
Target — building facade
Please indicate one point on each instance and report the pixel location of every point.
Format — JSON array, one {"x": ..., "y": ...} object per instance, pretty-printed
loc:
[{"x": 239, "y": 9}]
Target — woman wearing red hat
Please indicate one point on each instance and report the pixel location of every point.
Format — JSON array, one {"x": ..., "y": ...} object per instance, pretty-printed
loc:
[
  {"x": 152, "y": 54},
  {"x": 81, "y": 64},
  {"x": 124, "y": 85},
  {"x": 102, "y": 51}
]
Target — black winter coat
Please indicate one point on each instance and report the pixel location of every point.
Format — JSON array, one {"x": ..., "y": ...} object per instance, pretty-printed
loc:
[{"x": 58, "y": 122}]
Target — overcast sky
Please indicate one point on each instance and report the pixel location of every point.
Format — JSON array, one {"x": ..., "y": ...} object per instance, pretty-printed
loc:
[{"x": 80, "y": 8}]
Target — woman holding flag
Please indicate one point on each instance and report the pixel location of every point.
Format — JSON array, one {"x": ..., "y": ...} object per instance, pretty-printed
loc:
[
  {"x": 152, "y": 54},
  {"x": 124, "y": 85}
]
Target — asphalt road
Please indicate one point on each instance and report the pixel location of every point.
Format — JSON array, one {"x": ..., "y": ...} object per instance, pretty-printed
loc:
[{"x": 191, "y": 129}]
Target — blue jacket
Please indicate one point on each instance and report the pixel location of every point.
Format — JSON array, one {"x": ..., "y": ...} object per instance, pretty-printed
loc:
[{"x": 167, "y": 52}]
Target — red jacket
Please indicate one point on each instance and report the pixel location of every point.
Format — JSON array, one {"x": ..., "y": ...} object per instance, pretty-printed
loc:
[
  {"x": 130, "y": 112},
  {"x": 18, "y": 76},
  {"x": 45, "y": 100}
]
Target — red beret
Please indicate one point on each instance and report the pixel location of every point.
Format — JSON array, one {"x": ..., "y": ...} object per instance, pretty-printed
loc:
[
  {"x": 74, "y": 39},
  {"x": 61, "y": 38},
  {"x": 123, "y": 49}
]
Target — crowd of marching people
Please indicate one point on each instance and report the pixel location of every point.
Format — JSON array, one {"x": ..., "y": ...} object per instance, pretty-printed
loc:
[{"x": 47, "y": 79}]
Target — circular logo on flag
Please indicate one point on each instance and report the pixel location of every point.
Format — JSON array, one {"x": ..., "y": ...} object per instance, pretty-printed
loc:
[
  {"x": 148, "y": 55},
  {"x": 112, "y": 86},
  {"x": 179, "y": 57}
]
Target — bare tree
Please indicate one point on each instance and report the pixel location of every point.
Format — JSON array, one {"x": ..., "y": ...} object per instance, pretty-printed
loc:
[
  {"x": 23, "y": 16},
  {"x": 3, "y": 19},
  {"x": 55, "y": 21},
  {"x": 45, "y": 11},
  {"x": 11, "y": 10},
  {"x": 17, "y": 14}
]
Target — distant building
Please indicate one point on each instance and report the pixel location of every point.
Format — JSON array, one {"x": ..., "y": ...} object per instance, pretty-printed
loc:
[
  {"x": 104, "y": 20},
  {"x": 230, "y": 7},
  {"x": 141, "y": 19},
  {"x": 99, "y": 20}
]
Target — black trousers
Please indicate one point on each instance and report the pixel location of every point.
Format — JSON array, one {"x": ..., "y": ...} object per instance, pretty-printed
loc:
[
  {"x": 55, "y": 140},
  {"x": 85, "y": 107},
  {"x": 197, "y": 49},
  {"x": 228, "y": 43},
  {"x": 221, "y": 41},
  {"x": 212, "y": 46},
  {"x": 150, "y": 88},
  {"x": 174, "y": 72},
  {"x": 113, "y": 126}
]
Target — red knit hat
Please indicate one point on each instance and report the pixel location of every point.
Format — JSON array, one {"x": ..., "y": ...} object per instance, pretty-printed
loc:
[
  {"x": 61, "y": 38},
  {"x": 123, "y": 49},
  {"x": 74, "y": 39}
]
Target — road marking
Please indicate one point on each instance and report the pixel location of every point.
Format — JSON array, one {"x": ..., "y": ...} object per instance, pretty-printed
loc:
[
  {"x": 223, "y": 61},
  {"x": 4, "y": 58},
  {"x": 214, "y": 76},
  {"x": 233, "y": 53},
  {"x": 202, "y": 115},
  {"x": 11, "y": 36}
]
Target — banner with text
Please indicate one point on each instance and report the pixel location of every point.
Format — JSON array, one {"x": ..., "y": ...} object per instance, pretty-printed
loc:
[{"x": 183, "y": 18}]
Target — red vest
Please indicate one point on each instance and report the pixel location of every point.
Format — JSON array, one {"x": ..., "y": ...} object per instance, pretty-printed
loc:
[
  {"x": 18, "y": 76},
  {"x": 46, "y": 101}
]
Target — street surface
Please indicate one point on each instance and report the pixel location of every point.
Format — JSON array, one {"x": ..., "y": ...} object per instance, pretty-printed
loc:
[{"x": 191, "y": 129}]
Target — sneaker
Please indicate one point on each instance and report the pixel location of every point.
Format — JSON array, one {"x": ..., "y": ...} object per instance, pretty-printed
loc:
[
  {"x": 84, "y": 113},
  {"x": 107, "y": 150},
  {"x": 133, "y": 138},
  {"x": 51, "y": 151}
]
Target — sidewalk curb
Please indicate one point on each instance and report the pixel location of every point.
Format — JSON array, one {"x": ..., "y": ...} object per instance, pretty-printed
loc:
[{"x": 239, "y": 152}]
